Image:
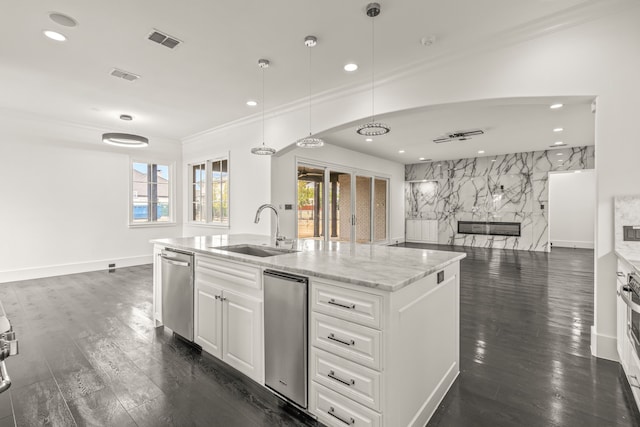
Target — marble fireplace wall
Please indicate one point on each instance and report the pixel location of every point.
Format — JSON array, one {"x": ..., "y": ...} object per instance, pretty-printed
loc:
[{"x": 506, "y": 188}]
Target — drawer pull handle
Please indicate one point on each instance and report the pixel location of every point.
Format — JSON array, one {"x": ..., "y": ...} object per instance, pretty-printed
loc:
[
  {"x": 333, "y": 376},
  {"x": 332, "y": 301},
  {"x": 341, "y": 341},
  {"x": 332, "y": 412}
]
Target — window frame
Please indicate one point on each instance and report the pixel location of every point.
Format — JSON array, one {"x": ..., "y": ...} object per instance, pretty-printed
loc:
[
  {"x": 208, "y": 206},
  {"x": 171, "y": 188}
]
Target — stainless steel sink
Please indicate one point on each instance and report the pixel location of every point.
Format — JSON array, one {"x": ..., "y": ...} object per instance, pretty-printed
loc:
[{"x": 254, "y": 250}]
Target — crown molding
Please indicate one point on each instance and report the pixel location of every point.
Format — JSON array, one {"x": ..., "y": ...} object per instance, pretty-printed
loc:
[{"x": 569, "y": 18}]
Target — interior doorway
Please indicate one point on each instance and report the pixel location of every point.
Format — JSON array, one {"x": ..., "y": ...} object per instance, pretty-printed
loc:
[{"x": 572, "y": 205}]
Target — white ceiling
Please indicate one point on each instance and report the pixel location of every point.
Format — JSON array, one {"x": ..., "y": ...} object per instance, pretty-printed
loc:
[
  {"x": 509, "y": 125},
  {"x": 205, "y": 82}
]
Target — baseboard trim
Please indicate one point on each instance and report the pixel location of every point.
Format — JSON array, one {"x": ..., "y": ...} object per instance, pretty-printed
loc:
[
  {"x": 62, "y": 269},
  {"x": 576, "y": 244},
  {"x": 604, "y": 346}
]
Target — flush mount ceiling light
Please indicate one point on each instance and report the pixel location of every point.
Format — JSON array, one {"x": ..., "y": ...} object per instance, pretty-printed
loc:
[
  {"x": 252, "y": 103},
  {"x": 558, "y": 129},
  {"x": 263, "y": 150},
  {"x": 373, "y": 128},
  {"x": 54, "y": 35},
  {"x": 310, "y": 141},
  {"x": 556, "y": 106},
  {"x": 125, "y": 140},
  {"x": 62, "y": 19},
  {"x": 351, "y": 67}
]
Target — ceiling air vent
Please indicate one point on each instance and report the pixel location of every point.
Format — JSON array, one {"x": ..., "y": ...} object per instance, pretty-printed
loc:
[
  {"x": 461, "y": 135},
  {"x": 124, "y": 75},
  {"x": 163, "y": 39}
]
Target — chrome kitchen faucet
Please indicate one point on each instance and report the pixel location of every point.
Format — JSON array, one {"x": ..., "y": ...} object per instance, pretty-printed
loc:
[{"x": 279, "y": 238}]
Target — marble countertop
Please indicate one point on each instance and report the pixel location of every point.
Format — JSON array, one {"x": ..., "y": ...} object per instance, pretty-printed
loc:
[
  {"x": 386, "y": 268},
  {"x": 631, "y": 257}
]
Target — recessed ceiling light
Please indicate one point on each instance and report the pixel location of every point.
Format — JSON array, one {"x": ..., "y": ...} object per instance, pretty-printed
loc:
[
  {"x": 252, "y": 103},
  {"x": 351, "y": 67},
  {"x": 558, "y": 143},
  {"x": 369, "y": 139},
  {"x": 558, "y": 129},
  {"x": 421, "y": 158},
  {"x": 400, "y": 151},
  {"x": 62, "y": 19},
  {"x": 54, "y": 35},
  {"x": 126, "y": 117},
  {"x": 481, "y": 152},
  {"x": 560, "y": 160},
  {"x": 559, "y": 154},
  {"x": 556, "y": 106}
]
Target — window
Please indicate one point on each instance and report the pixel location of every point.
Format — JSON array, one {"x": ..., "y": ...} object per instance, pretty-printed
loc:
[
  {"x": 151, "y": 193},
  {"x": 210, "y": 192}
]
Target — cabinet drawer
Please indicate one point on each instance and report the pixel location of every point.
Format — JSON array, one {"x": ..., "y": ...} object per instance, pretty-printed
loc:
[
  {"x": 228, "y": 272},
  {"x": 348, "y": 304},
  {"x": 336, "y": 410},
  {"x": 354, "y": 342},
  {"x": 350, "y": 379}
]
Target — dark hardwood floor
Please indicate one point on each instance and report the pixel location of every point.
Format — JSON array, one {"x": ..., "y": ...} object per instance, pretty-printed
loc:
[{"x": 89, "y": 354}]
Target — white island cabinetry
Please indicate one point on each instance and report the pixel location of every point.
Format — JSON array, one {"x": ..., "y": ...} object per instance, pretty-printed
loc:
[
  {"x": 228, "y": 313},
  {"x": 383, "y": 334},
  {"x": 383, "y": 358}
]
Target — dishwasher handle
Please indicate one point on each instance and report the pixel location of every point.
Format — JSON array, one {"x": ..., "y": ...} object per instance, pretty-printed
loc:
[
  {"x": 285, "y": 276},
  {"x": 175, "y": 261}
]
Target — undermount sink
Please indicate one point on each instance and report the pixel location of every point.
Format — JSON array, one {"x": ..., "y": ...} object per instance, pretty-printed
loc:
[{"x": 254, "y": 250}]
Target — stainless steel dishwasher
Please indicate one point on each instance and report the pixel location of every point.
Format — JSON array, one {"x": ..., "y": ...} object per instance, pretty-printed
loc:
[
  {"x": 285, "y": 335},
  {"x": 177, "y": 292}
]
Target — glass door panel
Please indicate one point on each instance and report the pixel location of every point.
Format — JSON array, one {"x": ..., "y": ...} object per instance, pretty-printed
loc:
[
  {"x": 340, "y": 217},
  {"x": 364, "y": 187},
  {"x": 310, "y": 202},
  {"x": 380, "y": 210}
]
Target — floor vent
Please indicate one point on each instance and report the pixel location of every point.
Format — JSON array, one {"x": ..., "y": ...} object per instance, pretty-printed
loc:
[
  {"x": 124, "y": 75},
  {"x": 163, "y": 39}
]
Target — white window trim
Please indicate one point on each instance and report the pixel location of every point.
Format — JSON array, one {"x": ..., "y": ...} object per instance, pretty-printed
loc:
[
  {"x": 208, "y": 223},
  {"x": 172, "y": 193}
]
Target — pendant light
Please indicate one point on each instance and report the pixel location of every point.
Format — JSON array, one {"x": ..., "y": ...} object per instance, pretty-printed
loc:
[
  {"x": 310, "y": 141},
  {"x": 125, "y": 139},
  {"x": 263, "y": 150},
  {"x": 373, "y": 128}
]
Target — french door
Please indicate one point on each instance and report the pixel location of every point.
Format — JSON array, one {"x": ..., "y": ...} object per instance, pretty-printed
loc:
[{"x": 341, "y": 205}]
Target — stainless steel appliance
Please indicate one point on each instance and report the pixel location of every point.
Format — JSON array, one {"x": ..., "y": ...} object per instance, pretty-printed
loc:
[
  {"x": 177, "y": 292},
  {"x": 285, "y": 335},
  {"x": 631, "y": 296},
  {"x": 8, "y": 347}
]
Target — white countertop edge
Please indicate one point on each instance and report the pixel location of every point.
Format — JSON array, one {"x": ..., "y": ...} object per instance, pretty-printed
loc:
[{"x": 264, "y": 262}]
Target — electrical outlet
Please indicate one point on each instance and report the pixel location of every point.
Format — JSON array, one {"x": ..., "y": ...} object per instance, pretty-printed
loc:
[
  {"x": 631, "y": 233},
  {"x": 112, "y": 268}
]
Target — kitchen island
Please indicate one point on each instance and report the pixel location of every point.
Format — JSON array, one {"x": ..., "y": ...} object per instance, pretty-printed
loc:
[{"x": 383, "y": 341}]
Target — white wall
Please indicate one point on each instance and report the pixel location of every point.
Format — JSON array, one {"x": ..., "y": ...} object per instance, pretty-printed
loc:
[
  {"x": 572, "y": 208},
  {"x": 595, "y": 54},
  {"x": 249, "y": 178},
  {"x": 284, "y": 179},
  {"x": 65, "y": 200}
]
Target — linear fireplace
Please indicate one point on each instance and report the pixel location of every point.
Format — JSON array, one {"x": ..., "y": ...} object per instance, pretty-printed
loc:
[{"x": 489, "y": 228}]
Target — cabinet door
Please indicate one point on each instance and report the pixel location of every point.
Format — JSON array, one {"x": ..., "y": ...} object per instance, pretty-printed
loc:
[
  {"x": 242, "y": 335},
  {"x": 425, "y": 231},
  {"x": 208, "y": 318},
  {"x": 412, "y": 229}
]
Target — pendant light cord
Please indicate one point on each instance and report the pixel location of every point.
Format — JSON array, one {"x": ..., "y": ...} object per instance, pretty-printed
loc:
[
  {"x": 263, "y": 106},
  {"x": 310, "y": 47},
  {"x": 373, "y": 42}
]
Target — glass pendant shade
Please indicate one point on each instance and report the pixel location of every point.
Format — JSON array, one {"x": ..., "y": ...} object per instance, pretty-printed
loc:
[
  {"x": 373, "y": 129},
  {"x": 263, "y": 150},
  {"x": 310, "y": 142}
]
